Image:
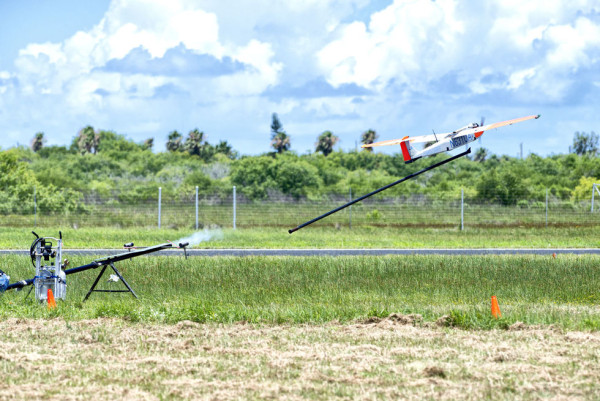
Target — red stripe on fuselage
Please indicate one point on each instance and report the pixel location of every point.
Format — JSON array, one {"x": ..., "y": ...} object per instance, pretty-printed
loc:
[{"x": 478, "y": 134}]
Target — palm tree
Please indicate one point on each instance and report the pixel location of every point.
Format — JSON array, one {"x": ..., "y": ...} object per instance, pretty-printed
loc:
[
  {"x": 367, "y": 138},
  {"x": 280, "y": 142},
  {"x": 193, "y": 143},
  {"x": 325, "y": 142},
  {"x": 88, "y": 140},
  {"x": 37, "y": 143},
  {"x": 174, "y": 142}
]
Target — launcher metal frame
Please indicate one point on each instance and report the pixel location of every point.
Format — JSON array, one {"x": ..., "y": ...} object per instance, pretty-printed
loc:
[{"x": 104, "y": 263}]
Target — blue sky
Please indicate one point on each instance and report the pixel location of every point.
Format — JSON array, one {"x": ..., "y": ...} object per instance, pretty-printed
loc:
[{"x": 400, "y": 67}]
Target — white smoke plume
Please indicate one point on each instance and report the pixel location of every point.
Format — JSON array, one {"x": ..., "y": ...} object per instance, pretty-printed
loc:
[{"x": 202, "y": 236}]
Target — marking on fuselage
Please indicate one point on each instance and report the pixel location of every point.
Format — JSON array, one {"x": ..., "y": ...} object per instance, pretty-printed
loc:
[{"x": 461, "y": 140}]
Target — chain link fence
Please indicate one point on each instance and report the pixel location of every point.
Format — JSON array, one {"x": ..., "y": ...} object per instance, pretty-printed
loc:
[{"x": 190, "y": 211}]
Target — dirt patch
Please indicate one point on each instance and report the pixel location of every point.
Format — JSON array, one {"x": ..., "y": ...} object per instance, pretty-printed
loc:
[
  {"x": 444, "y": 321},
  {"x": 395, "y": 318},
  {"x": 434, "y": 371},
  {"x": 393, "y": 357},
  {"x": 517, "y": 326}
]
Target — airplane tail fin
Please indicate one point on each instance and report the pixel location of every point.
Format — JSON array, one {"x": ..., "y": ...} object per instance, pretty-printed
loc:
[{"x": 407, "y": 151}]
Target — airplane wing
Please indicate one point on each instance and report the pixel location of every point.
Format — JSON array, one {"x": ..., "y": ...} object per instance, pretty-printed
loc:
[
  {"x": 507, "y": 122},
  {"x": 430, "y": 138},
  {"x": 411, "y": 139},
  {"x": 426, "y": 138},
  {"x": 385, "y": 143}
]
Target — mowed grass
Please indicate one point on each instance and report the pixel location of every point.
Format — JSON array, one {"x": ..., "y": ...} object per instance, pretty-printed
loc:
[
  {"x": 318, "y": 237},
  {"x": 272, "y": 290},
  {"x": 386, "y": 360}
]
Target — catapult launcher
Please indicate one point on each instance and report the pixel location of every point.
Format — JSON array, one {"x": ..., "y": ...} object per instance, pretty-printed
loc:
[{"x": 51, "y": 273}]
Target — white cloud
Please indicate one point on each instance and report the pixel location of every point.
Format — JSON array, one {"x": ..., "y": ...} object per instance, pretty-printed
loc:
[
  {"x": 443, "y": 62},
  {"x": 157, "y": 29},
  {"x": 69, "y": 75},
  {"x": 161, "y": 26},
  {"x": 532, "y": 45},
  {"x": 571, "y": 43},
  {"x": 406, "y": 38},
  {"x": 517, "y": 78}
]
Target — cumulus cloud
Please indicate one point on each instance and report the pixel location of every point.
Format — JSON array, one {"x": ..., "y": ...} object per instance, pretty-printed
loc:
[
  {"x": 536, "y": 46},
  {"x": 316, "y": 88},
  {"x": 138, "y": 52},
  {"x": 177, "y": 61},
  {"x": 406, "y": 38}
]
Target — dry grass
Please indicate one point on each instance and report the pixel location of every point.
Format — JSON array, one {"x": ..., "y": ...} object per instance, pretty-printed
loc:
[{"x": 396, "y": 357}]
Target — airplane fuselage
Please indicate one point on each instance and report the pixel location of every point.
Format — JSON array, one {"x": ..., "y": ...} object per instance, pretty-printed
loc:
[{"x": 448, "y": 143}]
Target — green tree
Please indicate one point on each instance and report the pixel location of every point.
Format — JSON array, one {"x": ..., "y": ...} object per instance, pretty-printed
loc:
[
  {"x": 326, "y": 142},
  {"x": 87, "y": 140},
  {"x": 506, "y": 187},
  {"x": 367, "y": 138},
  {"x": 174, "y": 142},
  {"x": 226, "y": 149},
  {"x": 110, "y": 141},
  {"x": 294, "y": 177},
  {"x": 480, "y": 155},
  {"x": 275, "y": 124},
  {"x": 198, "y": 178},
  {"x": 584, "y": 144},
  {"x": 194, "y": 142},
  {"x": 252, "y": 176},
  {"x": 148, "y": 144},
  {"x": 17, "y": 181},
  {"x": 37, "y": 143},
  {"x": 583, "y": 190},
  {"x": 280, "y": 141}
]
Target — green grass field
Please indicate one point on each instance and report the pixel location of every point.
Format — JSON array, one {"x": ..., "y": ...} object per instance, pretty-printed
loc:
[
  {"x": 320, "y": 237},
  {"x": 316, "y": 328},
  {"x": 534, "y": 290}
]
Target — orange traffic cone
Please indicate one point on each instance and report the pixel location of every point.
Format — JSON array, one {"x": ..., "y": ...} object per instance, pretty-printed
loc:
[
  {"x": 51, "y": 301},
  {"x": 495, "y": 307}
]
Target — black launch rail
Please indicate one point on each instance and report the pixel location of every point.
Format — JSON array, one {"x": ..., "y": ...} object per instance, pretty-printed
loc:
[{"x": 408, "y": 177}]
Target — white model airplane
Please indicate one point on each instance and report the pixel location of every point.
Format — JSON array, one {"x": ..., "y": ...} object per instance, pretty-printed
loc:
[{"x": 443, "y": 142}]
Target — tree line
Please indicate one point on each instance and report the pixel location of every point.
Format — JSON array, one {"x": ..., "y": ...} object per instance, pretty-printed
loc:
[
  {"x": 104, "y": 164},
  {"x": 88, "y": 140}
]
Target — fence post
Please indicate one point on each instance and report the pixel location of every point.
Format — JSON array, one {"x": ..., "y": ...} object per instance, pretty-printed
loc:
[
  {"x": 34, "y": 207},
  {"x": 234, "y": 207},
  {"x": 593, "y": 191},
  {"x": 546, "y": 207},
  {"x": 350, "y": 211},
  {"x": 462, "y": 209},
  {"x": 159, "y": 202},
  {"x": 196, "y": 207}
]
